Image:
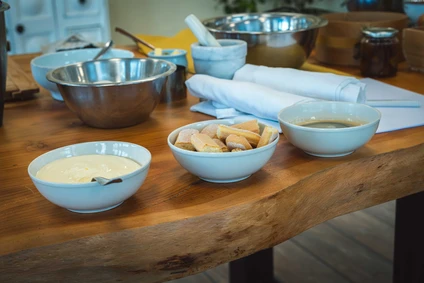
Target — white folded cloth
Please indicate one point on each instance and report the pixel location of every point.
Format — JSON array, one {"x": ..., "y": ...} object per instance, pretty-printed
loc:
[
  {"x": 208, "y": 107},
  {"x": 392, "y": 118},
  {"x": 325, "y": 86},
  {"x": 260, "y": 101},
  {"x": 395, "y": 118}
]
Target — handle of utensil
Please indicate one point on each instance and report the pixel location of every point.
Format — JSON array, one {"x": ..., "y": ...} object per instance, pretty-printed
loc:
[
  {"x": 199, "y": 30},
  {"x": 103, "y": 50},
  {"x": 394, "y": 103},
  {"x": 136, "y": 39},
  {"x": 104, "y": 181}
]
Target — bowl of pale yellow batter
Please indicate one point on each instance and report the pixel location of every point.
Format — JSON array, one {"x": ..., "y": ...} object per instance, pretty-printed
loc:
[{"x": 64, "y": 175}]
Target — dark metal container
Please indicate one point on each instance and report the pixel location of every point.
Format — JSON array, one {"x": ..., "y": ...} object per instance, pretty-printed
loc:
[{"x": 3, "y": 58}]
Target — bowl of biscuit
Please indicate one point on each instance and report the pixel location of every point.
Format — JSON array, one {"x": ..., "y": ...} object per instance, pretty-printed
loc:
[{"x": 223, "y": 151}]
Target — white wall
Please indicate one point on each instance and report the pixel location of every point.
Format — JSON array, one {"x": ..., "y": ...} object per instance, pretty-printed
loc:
[{"x": 166, "y": 17}]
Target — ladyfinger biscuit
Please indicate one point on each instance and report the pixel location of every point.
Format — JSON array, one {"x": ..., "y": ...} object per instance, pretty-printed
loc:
[
  {"x": 184, "y": 139},
  {"x": 234, "y": 141},
  {"x": 222, "y": 145},
  {"x": 210, "y": 130},
  {"x": 268, "y": 135},
  {"x": 251, "y": 125},
  {"x": 224, "y": 131},
  {"x": 204, "y": 143}
]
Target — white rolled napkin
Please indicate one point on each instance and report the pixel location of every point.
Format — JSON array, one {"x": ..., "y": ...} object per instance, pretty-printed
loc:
[
  {"x": 325, "y": 86},
  {"x": 246, "y": 97}
]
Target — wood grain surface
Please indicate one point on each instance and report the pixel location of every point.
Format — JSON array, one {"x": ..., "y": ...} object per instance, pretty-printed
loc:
[
  {"x": 176, "y": 224},
  {"x": 19, "y": 84}
]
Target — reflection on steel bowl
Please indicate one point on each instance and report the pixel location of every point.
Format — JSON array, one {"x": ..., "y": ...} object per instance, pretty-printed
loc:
[
  {"x": 112, "y": 93},
  {"x": 273, "y": 39}
]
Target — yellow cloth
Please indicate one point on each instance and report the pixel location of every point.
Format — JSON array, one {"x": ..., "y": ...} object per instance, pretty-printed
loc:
[{"x": 185, "y": 38}]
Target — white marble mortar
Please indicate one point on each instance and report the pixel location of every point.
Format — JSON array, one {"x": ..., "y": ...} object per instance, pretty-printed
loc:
[{"x": 220, "y": 62}]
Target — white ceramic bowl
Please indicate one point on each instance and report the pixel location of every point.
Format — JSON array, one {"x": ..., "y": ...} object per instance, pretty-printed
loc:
[
  {"x": 179, "y": 59},
  {"x": 225, "y": 167},
  {"x": 219, "y": 62},
  {"x": 329, "y": 142},
  {"x": 42, "y": 64},
  {"x": 413, "y": 9},
  {"x": 92, "y": 197}
]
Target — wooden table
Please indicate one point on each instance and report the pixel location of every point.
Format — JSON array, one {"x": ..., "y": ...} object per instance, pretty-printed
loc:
[{"x": 176, "y": 224}]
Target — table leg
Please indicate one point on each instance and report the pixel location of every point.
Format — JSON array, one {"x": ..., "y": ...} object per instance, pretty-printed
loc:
[
  {"x": 408, "y": 265},
  {"x": 256, "y": 268}
]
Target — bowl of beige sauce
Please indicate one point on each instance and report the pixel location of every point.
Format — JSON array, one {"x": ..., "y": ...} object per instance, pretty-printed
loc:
[{"x": 64, "y": 175}]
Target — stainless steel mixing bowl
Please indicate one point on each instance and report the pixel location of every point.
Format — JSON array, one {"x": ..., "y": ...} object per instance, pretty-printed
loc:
[
  {"x": 273, "y": 39},
  {"x": 112, "y": 93}
]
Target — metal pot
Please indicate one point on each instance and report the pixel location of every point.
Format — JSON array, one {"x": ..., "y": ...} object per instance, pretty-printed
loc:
[
  {"x": 3, "y": 58},
  {"x": 273, "y": 39}
]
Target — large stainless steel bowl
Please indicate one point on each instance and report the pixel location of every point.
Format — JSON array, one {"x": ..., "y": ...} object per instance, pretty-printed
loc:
[
  {"x": 112, "y": 93},
  {"x": 273, "y": 39}
]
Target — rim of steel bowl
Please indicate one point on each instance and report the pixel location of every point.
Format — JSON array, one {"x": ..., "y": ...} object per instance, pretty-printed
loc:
[
  {"x": 172, "y": 67},
  {"x": 210, "y": 24}
]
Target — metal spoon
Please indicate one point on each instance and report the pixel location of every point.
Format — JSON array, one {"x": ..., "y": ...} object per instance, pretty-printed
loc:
[
  {"x": 107, "y": 46},
  {"x": 133, "y": 37},
  {"x": 104, "y": 181}
]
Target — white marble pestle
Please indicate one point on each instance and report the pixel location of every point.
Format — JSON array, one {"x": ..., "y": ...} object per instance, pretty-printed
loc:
[{"x": 200, "y": 32}]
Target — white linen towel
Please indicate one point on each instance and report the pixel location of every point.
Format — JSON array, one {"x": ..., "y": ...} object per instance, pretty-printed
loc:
[
  {"x": 260, "y": 101},
  {"x": 208, "y": 108},
  {"x": 325, "y": 86},
  {"x": 392, "y": 118},
  {"x": 395, "y": 118}
]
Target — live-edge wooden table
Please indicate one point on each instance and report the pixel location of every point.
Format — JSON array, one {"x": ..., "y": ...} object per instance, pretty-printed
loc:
[{"x": 176, "y": 224}]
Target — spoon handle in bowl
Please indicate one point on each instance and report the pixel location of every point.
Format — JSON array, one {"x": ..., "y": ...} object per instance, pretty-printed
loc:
[
  {"x": 106, "y": 48},
  {"x": 104, "y": 181},
  {"x": 133, "y": 37}
]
